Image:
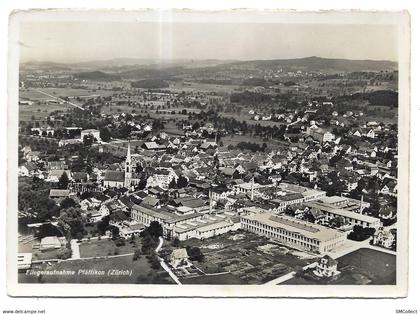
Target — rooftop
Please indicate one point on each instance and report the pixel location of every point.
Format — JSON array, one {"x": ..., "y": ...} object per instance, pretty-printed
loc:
[
  {"x": 304, "y": 228},
  {"x": 342, "y": 212}
]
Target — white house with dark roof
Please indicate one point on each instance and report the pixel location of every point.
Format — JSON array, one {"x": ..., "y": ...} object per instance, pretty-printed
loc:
[
  {"x": 326, "y": 267},
  {"x": 179, "y": 258}
]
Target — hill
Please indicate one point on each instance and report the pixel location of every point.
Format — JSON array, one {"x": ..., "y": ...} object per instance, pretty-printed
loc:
[
  {"x": 97, "y": 76},
  {"x": 318, "y": 64}
]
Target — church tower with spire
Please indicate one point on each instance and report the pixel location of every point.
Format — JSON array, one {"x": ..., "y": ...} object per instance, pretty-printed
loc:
[{"x": 128, "y": 168}]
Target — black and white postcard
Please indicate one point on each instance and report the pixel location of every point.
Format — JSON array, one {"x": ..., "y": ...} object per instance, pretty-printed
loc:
[{"x": 214, "y": 154}]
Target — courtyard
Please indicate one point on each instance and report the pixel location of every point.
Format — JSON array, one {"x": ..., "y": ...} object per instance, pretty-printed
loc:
[{"x": 244, "y": 258}]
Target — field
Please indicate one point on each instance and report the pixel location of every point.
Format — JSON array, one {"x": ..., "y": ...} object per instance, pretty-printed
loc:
[
  {"x": 106, "y": 247},
  {"x": 194, "y": 87},
  {"x": 41, "y": 110},
  {"x": 364, "y": 266},
  {"x": 34, "y": 94},
  {"x": 235, "y": 139},
  {"x": 132, "y": 272},
  {"x": 245, "y": 258}
]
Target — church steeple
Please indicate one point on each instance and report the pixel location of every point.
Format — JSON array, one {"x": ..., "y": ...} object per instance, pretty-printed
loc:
[{"x": 128, "y": 168}]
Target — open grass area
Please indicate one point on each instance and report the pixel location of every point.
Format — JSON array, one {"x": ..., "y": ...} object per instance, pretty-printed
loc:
[
  {"x": 34, "y": 94},
  {"x": 361, "y": 267},
  {"x": 39, "y": 111},
  {"x": 37, "y": 254},
  {"x": 203, "y": 87},
  {"x": 380, "y": 267},
  {"x": 172, "y": 129},
  {"x": 235, "y": 139},
  {"x": 131, "y": 272},
  {"x": 249, "y": 258},
  {"x": 107, "y": 247}
]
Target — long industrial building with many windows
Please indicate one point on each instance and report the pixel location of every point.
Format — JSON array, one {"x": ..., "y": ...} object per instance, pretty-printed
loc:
[{"x": 293, "y": 232}]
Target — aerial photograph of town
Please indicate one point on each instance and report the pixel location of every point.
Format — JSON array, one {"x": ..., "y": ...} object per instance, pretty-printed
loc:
[{"x": 155, "y": 155}]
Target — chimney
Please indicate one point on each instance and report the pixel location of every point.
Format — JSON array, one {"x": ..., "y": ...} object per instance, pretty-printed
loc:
[
  {"x": 361, "y": 202},
  {"x": 252, "y": 188}
]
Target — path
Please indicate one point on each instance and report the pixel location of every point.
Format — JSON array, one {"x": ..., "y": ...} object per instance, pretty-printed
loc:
[
  {"x": 281, "y": 279},
  {"x": 58, "y": 98},
  {"x": 159, "y": 245},
  {"x": 75, "y": 252},
  {"x": 164, "y": 265}
]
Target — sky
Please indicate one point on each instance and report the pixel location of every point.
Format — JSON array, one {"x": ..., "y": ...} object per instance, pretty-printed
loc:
[{"x": 87, "y": 41}]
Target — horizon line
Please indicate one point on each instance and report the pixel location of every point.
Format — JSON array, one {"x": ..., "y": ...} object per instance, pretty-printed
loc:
[{"x": 203, "y": 59}]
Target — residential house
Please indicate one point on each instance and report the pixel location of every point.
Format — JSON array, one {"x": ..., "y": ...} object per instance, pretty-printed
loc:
[{"x": 326, "y": 267}]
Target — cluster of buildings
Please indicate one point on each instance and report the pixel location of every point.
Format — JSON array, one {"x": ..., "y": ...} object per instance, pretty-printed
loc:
[
  {"x": 222, "y": 191},
  {"x": 197, "y": 189}
]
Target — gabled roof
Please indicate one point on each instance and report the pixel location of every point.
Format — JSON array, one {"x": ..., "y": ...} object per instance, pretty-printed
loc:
[
  {"x": 291, "y": 197},
  {"x": 115, "y": 176},
  {"x": 59, "y": 193},
  {"x": 30, "y": 166},
  {"x": 316, "y": 212},
  {"x": 118, "y": 215},
  {"x": 179, "y": 254},
  {"x": 58, "y": 173},
  {"x": 151, "y": 145},
  {"x": 227, "y": 171},
  {"x": 79, "y": 176},
  {"x": 151, "y": 201},
  {"x": 193, "y": 203},
  {"x": 327, "y": 261}
]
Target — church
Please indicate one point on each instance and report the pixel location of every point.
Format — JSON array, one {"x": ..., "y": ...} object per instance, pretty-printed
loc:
[{"x": 122, "y": 179}]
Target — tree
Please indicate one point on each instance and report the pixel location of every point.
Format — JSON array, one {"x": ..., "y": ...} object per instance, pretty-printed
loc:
[
  {"x": 154, "y": 260},
  {"x": 182, "y": 182},
  {"x": 360, "y": 233},
  {"x": 148, "y": 243},
  {"x": 37, "y": 203},
  {"x": 67, "y": 203},
  {"x": 114, "y": 230},
  {"x": 88, "y": 140},
  {"x": 137, "y": 254},
  {"x": 103, "y": 224},
  {"x": 172, "y": 184},
  {"x": 195, "y": 253},
  {"x": 155, "y": 229},
  {"x": 105, "y": 134},
  {"x": 64, "y": 253},
  {"x": 63, "y": 181},
  {"x": 142, "y": 184},
  {"x": 176, "y": 242},
  {"x": 374, "y": 207},
  {"x": 71, "y": 221}
]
